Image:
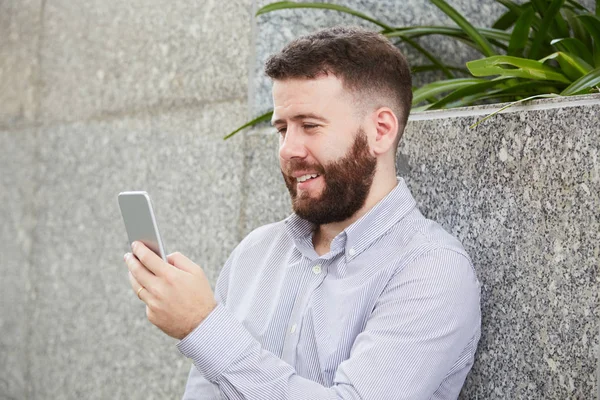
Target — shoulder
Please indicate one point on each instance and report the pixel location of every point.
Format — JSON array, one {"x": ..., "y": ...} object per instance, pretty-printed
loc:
[{"x": 423, "y": 239}]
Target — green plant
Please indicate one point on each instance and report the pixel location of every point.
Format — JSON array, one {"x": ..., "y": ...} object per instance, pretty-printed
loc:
[{"x": 535, "y": 49}]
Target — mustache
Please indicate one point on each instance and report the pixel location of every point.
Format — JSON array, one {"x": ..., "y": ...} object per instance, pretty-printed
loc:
[{"x": 301, "y": 165}]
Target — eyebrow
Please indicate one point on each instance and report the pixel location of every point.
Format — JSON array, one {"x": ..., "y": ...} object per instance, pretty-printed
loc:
[{"x": 300, "y": 117}]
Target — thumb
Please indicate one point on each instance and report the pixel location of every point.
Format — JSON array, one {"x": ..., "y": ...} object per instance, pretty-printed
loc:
[{"x": 183, "y": 263}]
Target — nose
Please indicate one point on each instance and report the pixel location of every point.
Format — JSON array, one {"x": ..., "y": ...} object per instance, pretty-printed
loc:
[{"x": 292, "y": 145}]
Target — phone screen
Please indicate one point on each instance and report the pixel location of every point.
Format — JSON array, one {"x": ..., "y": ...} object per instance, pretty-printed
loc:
[{"x": 140, "y": 221}]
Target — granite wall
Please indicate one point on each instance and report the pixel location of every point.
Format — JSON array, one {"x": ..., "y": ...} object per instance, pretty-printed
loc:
[
  {"x": 97, "y": 97},
  {"x": 521, "y": 193}
]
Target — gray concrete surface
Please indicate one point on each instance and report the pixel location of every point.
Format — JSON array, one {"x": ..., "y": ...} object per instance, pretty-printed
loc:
[
  {"x": 20, "y": 33},
  {"x": 100, "y": 97},
  {"x": 18, "y": 184},
  {"x": 106, "y": 57}
]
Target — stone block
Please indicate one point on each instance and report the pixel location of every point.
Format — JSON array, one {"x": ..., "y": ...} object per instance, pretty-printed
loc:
[
  {"x": 268, "y": 199},
  {"x": 112, "y": 57},
  {"x": 18, "y": 175},
  {"x": 20, "y": 26}
]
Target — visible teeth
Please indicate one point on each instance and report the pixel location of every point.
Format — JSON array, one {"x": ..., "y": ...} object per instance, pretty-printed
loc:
[{"x": 304, "y": 178}]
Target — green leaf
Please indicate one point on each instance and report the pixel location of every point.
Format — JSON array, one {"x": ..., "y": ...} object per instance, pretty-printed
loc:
[
  {"x": 436, "y": 88},
  {"x": 469, "y": 90},
  {"x": 507, "y": 20},
  {"x": 559, "y": 27},
  {"x": 579, "y": 31},
  {"x": 495, "y": 36},
  {"x": 511, "y": 5},
  {"x": 426, "y": 68},
  {"x": 583, "y": 84},
  {"x": 427, "y": 54},
  {"x": 516, "y": 67},
  {"x": 520, "y": 33},
  {"x": 263, "y": 118},
  {"x": 577, "y": 6},
  {"x": 422, "y": 30},
  {"x": 549, "y": 15},
  {"x": 592, "y": 24},
  {"x": 284, "y": 5},
  {"x": 573, "y": 46},
  {"x": 572, "y": 66},
  {"x": 540, "y": 6},
  {"x": 528, "y": 88},
  {"x": 486, "y": 47}
]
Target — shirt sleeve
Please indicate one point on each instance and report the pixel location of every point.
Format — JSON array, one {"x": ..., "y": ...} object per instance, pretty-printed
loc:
[
  {"x": 197, "y": 386},
  {"x": 424, "y": 319}
]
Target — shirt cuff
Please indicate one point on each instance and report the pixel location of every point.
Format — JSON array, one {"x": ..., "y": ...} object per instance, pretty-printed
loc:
[{"x": 216, "y": 343}]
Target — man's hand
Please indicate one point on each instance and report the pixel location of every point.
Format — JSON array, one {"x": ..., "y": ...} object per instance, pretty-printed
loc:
[{"x": 178, "y": 296}]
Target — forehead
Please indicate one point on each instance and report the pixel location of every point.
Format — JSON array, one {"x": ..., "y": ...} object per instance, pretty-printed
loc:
[{"x": 324, "y": 95}]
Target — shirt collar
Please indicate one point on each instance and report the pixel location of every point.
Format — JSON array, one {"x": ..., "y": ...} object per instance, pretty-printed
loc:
[
  {"x": 363, "y": 232},
  {"x": 379, "y": 219}
]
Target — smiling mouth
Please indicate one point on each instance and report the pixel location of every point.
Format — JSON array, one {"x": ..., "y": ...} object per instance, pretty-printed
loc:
[{"x": 307, "y": 177}]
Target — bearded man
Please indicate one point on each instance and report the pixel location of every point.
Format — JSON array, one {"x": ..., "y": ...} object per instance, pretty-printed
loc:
[{"x": 356, "y": 295}]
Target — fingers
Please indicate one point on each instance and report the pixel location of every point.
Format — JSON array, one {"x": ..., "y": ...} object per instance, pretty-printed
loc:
[
  {"x": 183, "y": 263},
  {"x": 141, "y": 291},
  {"x": 141, "y": 274},
  {"x": 148, "y": 258}
]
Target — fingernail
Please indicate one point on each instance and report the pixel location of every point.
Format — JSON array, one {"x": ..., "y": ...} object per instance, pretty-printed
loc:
[{"x": 133, "y": 245}]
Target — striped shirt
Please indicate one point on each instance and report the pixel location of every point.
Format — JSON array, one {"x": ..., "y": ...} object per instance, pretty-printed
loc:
[{"x": 391, "y": 312}]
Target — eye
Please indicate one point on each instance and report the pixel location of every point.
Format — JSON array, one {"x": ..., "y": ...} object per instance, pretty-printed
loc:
[
  {"x": 310, "y": 126},
  {"x": 281, "y": 130}
]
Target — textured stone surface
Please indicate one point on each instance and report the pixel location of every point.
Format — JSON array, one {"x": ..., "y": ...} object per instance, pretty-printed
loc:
[
  {"x": 521, "y": 192},
  {"x": 17, "y": 217},
  {"x": 90, "y": 336},
  {"x": 19, "y": 42},
  {"x": 196, "y": 180},
  {"x": 107, "y": 57},
  {"x": 268, "y": 201}
]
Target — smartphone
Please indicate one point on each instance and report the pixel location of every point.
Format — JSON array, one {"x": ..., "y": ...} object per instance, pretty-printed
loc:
[{"x": 140, "y": 222}]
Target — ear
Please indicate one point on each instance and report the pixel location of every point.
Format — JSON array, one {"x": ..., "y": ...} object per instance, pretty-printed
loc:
[{"x": 386, "y": 125}]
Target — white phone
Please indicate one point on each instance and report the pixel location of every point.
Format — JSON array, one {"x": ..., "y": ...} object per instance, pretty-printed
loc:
[{"x": 140, "y": 221}]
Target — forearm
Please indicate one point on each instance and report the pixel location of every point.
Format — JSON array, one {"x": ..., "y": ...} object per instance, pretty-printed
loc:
[{"x": 237, "y": 363}]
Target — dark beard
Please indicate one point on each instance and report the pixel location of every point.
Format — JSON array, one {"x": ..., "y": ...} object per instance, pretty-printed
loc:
[{"x": 347, "y": 184}]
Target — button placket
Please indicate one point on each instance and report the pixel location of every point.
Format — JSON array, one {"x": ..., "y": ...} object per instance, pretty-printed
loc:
[{"x": 293, "y": 331}]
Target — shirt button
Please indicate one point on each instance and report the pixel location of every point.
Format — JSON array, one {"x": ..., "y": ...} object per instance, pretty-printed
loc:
[
  {"x": 293, "y": 329},
  {"x": 352, "y": 251},
  {"x": 317, "y": 269}
]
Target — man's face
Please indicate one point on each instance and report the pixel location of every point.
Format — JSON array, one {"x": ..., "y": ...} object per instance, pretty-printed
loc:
[{"x": 324, "y": 153}]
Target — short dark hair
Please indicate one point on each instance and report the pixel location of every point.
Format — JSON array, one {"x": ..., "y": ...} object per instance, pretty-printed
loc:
[{"x": 367, "y": 63}]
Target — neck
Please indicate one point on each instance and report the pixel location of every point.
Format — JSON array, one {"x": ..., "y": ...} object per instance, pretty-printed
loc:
[{"x": 380, "y": 188}]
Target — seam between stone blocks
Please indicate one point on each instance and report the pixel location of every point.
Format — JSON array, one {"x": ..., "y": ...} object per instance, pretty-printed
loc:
[
  {"x": 33, "y": 206},
  {"x": 107, "y": 116}
]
